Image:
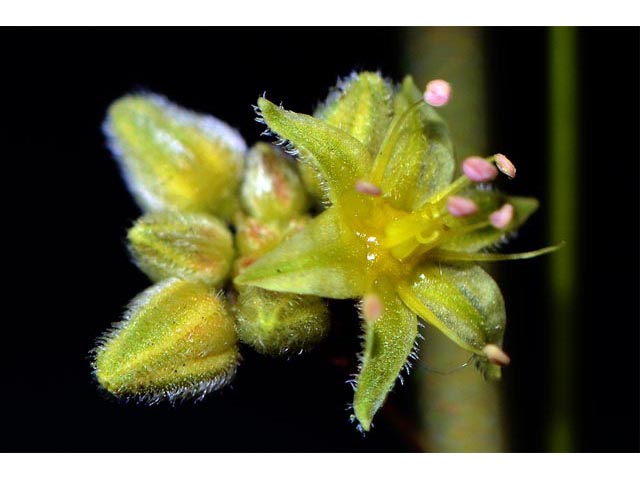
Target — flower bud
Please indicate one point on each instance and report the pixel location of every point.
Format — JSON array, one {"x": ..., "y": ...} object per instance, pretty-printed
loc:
[
  {"x": 176, "y": 340},
  {"x": 192, "y": 246},
  {"x": 277, "y": 323},
  {"x": 257, "y": 236},
  {"x": 172, "y": 158},
  {"x": 272, "y": 188}
]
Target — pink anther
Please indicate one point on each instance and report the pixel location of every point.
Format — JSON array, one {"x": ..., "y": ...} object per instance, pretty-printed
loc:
[{"x": 478, "y": 170}]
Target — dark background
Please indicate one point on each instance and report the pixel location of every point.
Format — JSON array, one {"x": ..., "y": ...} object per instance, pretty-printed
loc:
[{"x": 66, "y": 210}]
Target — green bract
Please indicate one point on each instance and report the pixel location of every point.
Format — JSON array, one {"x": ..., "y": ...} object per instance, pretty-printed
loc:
[{"x": 395, "y": 231}]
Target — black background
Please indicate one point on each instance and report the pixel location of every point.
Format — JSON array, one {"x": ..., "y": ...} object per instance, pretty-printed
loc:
[{"x": 66, "y": 210}]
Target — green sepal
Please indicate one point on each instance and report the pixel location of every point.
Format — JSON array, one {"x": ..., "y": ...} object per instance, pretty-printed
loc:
[
  {"x": 175, "y": 159},
  {"x": 463, "y": 302},
  {"x": 313, "y": 181},
  {"x": 388, "y": 342},
  {"x": 421, "y": 160},
  {"x": 177, "y": 340},
  {"x": 361, "y": 106},
  {"x": 271, "y": 188},
  {"x": 191, "y": 246},
  {"x": 276, "y": 323},
  {"x": 323, "y": 259},
  {"x": 336, "y": 155},
  {"x": 487, "y": 202}
]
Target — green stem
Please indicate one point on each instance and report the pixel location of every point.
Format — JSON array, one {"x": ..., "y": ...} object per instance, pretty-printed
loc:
[
  {"x": 459, "y": 412},
  {"x": 563, "y": 225}
]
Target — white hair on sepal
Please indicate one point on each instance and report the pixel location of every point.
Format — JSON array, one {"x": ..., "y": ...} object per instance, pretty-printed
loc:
[
  {"x": 176, "y": 394},
  {"x": 352, "y": 382},
  {"x": 259, "y": 117},
  {"x": 501, "y": 242}
]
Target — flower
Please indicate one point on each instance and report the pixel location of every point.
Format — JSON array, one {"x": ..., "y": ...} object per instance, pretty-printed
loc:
[{"x": 399, "y": 232}]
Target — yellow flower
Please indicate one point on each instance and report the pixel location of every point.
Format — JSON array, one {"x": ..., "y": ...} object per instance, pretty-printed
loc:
[{"x": 399, "y": 232}]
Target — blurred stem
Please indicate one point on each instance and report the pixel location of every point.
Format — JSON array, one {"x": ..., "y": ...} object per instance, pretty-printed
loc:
[
  {"x": 459, "y": 412},
  {"x": 563, "y": 225}
]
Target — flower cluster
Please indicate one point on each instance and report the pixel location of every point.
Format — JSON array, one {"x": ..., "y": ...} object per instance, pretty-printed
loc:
[
  {"x": 198, "y": 185},
  {"x": 401, "y": 227}
]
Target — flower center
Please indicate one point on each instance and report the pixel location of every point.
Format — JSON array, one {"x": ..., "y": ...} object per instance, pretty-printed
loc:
[
  {"x": 415, "y": 233},
  {"x": 411, "y": 235}
]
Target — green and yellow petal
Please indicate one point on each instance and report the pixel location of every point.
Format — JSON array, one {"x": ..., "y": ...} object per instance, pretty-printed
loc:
[
  {"x": 388, "y": 343},
  {"x": 418, "y": 157},
  {"x": 463, "y": 302},
  {"x": 361, "y": 106},
  {"x": 324, "y": 259},
  {"x": 339, "y": 158}
]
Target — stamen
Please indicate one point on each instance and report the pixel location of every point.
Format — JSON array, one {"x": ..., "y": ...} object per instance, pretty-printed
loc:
[
  {"x": 368, "y": 188},
  {"x": 437, "y": 93},
  {"x": 478, "y": 170},
  {"x": 505, "y": 165},
  {"x": 496, "y": 355},
  {"x": 372, "y": 307},
  {"x": 455, "y": 256},
  {"x": 502, "y": 217},
  {"x": 461, "y": 206}
]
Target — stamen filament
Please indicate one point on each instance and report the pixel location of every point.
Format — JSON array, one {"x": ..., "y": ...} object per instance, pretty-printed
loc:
[
  {"x": 454, "y": 187},
  {"x": 453, "y": 256}
]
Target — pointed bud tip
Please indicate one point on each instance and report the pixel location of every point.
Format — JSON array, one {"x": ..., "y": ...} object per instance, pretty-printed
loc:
[
  {"x": 437, "y": 93},
  {"x": 502, "y": 217},
  {"x": 368, "y": 188},
  {"x": 461, "y": 206},
  {"x": 496, "y": 355},
  {"x": 478, "y": 170},
  {"x": 505, "y": 165},
  {"x": 372, "y": 307}
]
